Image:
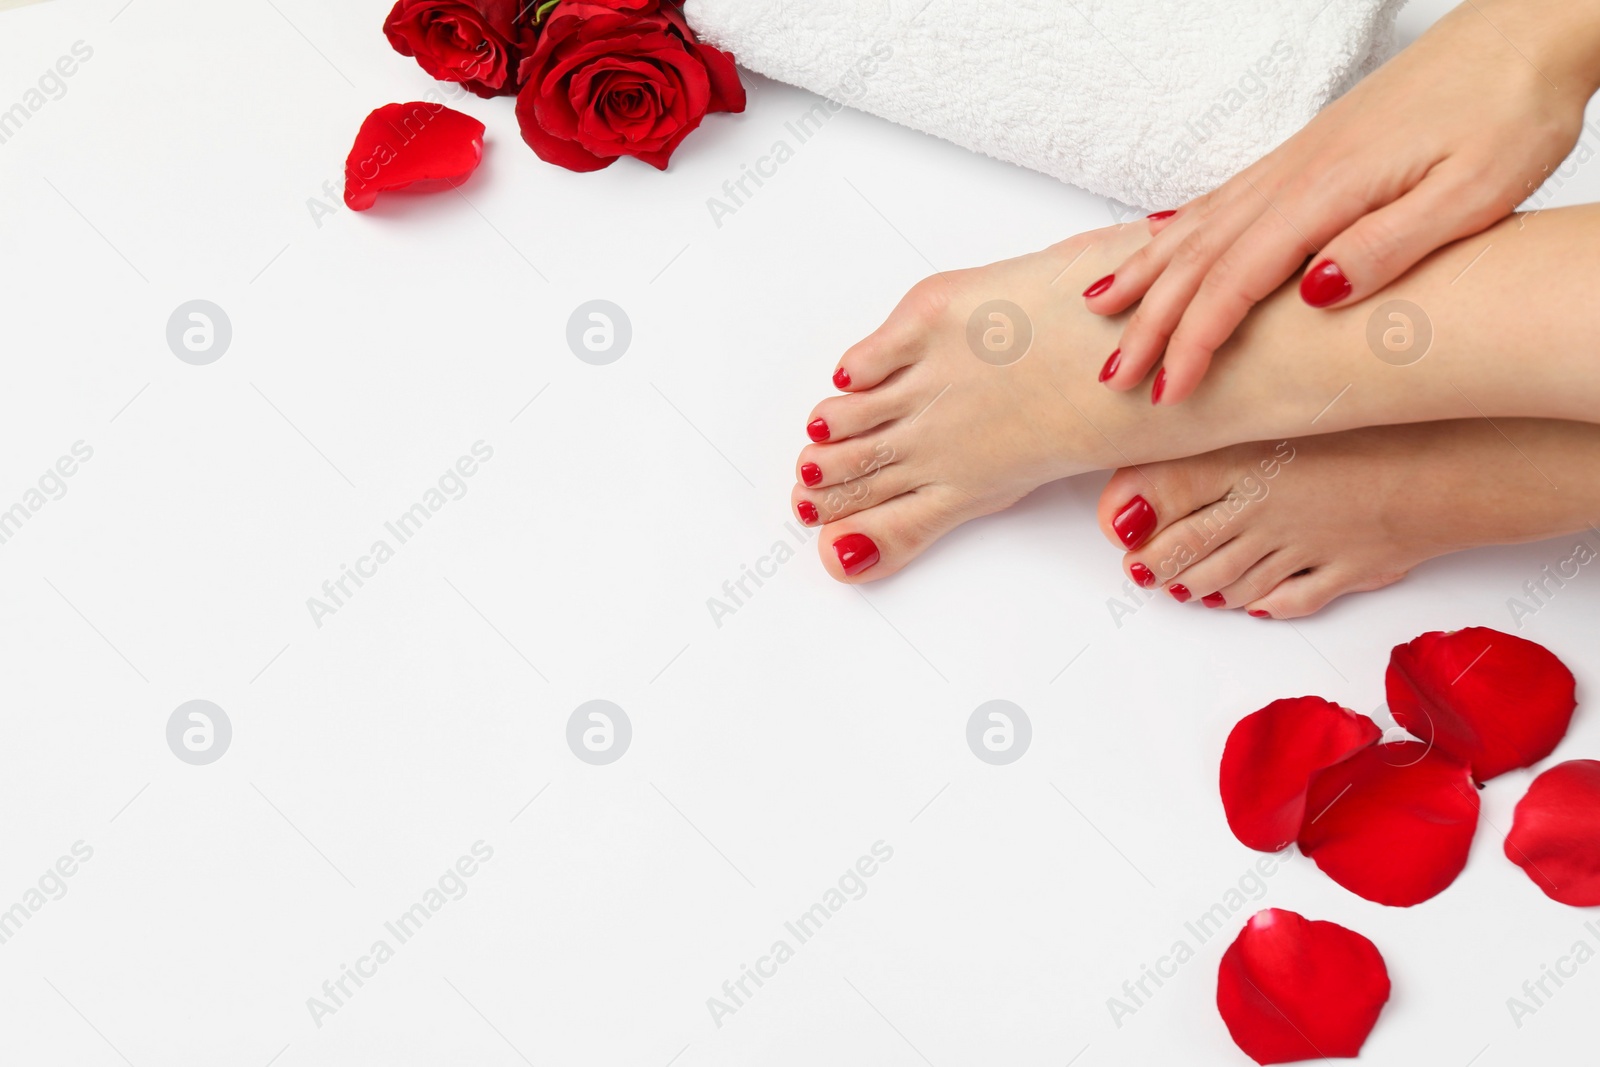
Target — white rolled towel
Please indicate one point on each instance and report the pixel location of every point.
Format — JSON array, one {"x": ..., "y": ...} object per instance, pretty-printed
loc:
[{"x": 1150, "y": 102}]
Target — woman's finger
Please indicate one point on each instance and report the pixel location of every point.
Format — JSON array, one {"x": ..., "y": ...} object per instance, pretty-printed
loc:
[
  {"x": 1123, "y": 287},
  {"x": 1264, "y": 257},
  {"x": 1144, "y": 338},
  {"x": 1159, "y": 220},
  {"x": 1382, "y": 245}
]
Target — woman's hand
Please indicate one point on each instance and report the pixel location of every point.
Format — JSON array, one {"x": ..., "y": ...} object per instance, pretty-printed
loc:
[{"x": 1439, "y": 143}]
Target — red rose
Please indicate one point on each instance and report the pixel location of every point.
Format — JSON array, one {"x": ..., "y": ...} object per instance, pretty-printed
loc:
[
  {"x": 479, "y": 43},
  {"x": 616, "y": 78}
]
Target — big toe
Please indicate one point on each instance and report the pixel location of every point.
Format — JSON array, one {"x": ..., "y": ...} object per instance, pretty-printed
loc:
[
  {"x": 1140, "y": 502},
  {"x": 878, "y": 541}
]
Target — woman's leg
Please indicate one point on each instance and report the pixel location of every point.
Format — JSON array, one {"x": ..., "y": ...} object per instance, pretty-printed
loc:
[
  {"x": 943, "y": 421},
  {"x": 1282, "y": 528}
]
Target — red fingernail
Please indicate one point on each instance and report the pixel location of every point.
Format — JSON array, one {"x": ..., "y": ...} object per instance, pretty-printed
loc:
[
  {"x": 856, "y": 553},
  {"x": 1257, "y": 613},
  {"x": 810, "y": 473},
  {"x": 1135, "y": 522},
  {"x": 1159, "y": 387},
  {"x": 817, "y": 429},
  {"x": 1111, "y": 366},
  {"x": 1143, "y": 575},
  {"x": 807, "y": 511},
  {"x": 1180, "y": 593},
  {"x": 1212, "y": 600},
  {"x": 1157, "y": 216},
  {"x": 841, "y": 379},
  {"x": 1324, "y": 284},
  {"x": 1100, "y": 286}
]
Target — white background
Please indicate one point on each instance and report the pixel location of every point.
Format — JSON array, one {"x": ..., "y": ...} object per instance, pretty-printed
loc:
[{"x": 368, "y": 353}]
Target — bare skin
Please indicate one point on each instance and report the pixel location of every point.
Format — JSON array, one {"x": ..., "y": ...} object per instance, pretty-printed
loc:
[
  {"x": 930, "y": 435},
  {"x": 1445, "y": 139},
  {"x": 1251, "y": 526}
]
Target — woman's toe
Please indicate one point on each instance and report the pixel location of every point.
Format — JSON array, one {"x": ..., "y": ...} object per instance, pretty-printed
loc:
[
  {"x": 823, "y": 465},
  {"x": 1302, "y": 594},
  {"x": 831, "y": 503},
  {"x": 840, "y": 417},
  {"x": 895, "y": 344},
  {"x": 876, "y": 542},
  {"x": 1311, "y": 591},
  {"x": 1186, "y": 541},
  {"x": 1266, "y": 574},
  {"x": 1209, "y": 578},
  {"x": 1140, "y": 502}
]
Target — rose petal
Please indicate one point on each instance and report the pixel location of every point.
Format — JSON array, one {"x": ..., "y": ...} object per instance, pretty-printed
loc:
[
  {"x": 402, "y": 144},
  {"x": 1490, "y": 699},
  {"x": 1269, "y": 761},
  {"x": 1291, "y": 989},
  {"x": 549, "y": 147},
  {"x": 1393, "y": 823},
  {"x": 726, "y": 90},
  {"x": 1555, "y": 833}
]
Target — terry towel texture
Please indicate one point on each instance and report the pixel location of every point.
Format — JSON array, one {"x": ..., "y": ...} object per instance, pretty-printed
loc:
[{"x": 1150, "y": 102}]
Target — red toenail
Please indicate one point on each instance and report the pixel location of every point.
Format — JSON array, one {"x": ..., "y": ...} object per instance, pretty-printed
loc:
[
  {"x": 1159, "y": 387},
  {"x": 856, "y": 553},
  {"x": 810, "y": 473},
  {"x": 807, "y": 511},
  {"x": 841, "y": 379},
  {"x": 1143, "y": 575},
  {"x": 817, "y": 429},
  {"x": 1100, "y": 286},
  {"x": 1257, "y": 613},
  {"x": 1180, "y": 593},
  {"x": 1157, "y": 216},
  {"x": 1212, "y": 600},
  {"x": 1324, "y": 284},
  {"x": 1135, "y": 522},
  {"x": 1111, "y": 365}
]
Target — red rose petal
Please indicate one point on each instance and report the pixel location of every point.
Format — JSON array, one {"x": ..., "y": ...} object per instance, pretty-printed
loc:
[
  {"x": 1490, "y": 699},
  {"x": 402, "y": 144},
  {"x": 1555, "y": 834},
  {"x": 727, "y": 91},
  {"x": 1271, "y": 757},
  {"x": 550, "y": 147},
  {"x": 1291, "y": 989},
  {"x": 1393, "y": 823}
]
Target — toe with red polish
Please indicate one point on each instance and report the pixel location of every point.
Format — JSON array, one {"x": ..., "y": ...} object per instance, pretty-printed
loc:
[
  {"x": 1135, "y": 522},
  {"x": 856, "y": 553}
]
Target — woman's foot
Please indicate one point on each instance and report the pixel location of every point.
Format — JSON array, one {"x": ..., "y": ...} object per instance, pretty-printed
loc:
[
  {"x": 957, "y": 406},
  {"x": 1280, "y": 529},
  {"x": 984, "y": 384}
]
